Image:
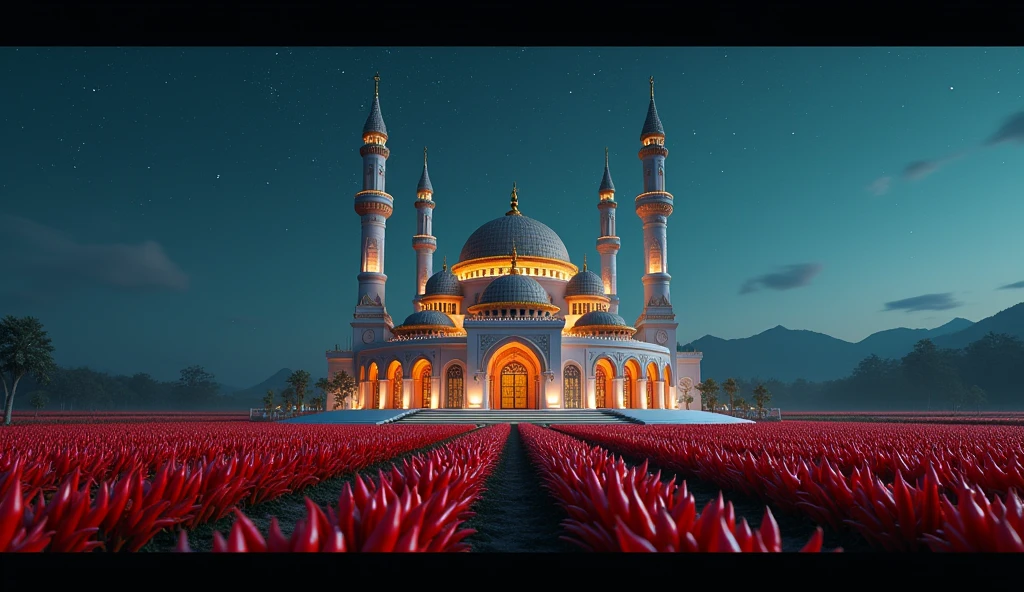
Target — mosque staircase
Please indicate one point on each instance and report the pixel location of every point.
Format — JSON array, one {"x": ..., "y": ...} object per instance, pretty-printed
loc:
[{"x": 492, "y": 416}]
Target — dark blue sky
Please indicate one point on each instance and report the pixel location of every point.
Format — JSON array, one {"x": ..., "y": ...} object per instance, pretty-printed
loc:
[{"x": 164, "y": 207}]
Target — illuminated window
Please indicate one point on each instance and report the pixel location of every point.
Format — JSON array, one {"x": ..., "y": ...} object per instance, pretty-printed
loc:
[
  {"x": 600, "y": 384},
  {"x": 455, "y": 386},
  {"x": 572, "y": 393}
]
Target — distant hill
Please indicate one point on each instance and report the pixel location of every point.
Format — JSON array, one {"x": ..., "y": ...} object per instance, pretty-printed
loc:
[
  {"x": 253, "y": 396},
  {"x": 1010, "y": 321},
  {"x": 787, "y": 354}
]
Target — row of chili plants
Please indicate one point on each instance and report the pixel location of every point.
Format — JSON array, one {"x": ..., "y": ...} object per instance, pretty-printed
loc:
[
  {"x": 417, "y": 506},
  {"x": 613, "y": 507},
  {"x": 113, "y": 498},
  {"x": 897, "y": 499},
  {"x": 91, "y": 417}
]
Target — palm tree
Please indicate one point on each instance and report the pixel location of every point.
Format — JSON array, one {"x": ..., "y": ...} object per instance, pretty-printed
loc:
[
  {"x": 730, "y": 387},
  {"x": 25, "y": 348},
  {"x": 268, "y": 401},
  {"x": 761, "y": 396},
  {"x": 740, "y": 405},
  {"x": 709, "y": 392},
  {"x": 299, "y": 380}
]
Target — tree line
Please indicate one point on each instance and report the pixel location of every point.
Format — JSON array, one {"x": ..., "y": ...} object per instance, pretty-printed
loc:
[
  {"x": 986, "y": 374},
  {"x": 27, "y": 366}
]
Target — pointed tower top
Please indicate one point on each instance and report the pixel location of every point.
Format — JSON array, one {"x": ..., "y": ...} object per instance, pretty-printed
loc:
[
  {"x": 652, "y": 125},
  {"x": 512, "y": 269},
  {"x": 444, "y": 266},
  {"x": 606, "y": 181},
  {"x": 424, "y": 185},
  {"x": 376, "y": 85},
  {"x": 515, "y": 204},
  {"x": 375, "y": 122},
  {"x": 584, "y": 261}
]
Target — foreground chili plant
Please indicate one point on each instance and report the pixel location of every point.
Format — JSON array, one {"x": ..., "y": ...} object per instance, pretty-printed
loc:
[
  {"x": 416, "y": 507},
  {"x": 612, "y": 508},
  {"x": 891, "y": 484},
  {"x": 118, "y": 494}
]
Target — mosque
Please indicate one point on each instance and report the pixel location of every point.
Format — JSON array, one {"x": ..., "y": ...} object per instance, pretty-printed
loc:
[{"x": 513, "y": 324}]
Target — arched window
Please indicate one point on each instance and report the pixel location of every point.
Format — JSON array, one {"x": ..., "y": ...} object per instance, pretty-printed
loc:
[
  {"x": 425, "y": 386},
  {"x": 376, "y": 394},
  {"x": 572, "y": 393},
  {"x": 396, "y": 389},
  {"x": 600, "y": 384},
  {"x": 372, "y": 256},
  {"x": 455, "y": 388},
  {"x": 654, "y": 259}
]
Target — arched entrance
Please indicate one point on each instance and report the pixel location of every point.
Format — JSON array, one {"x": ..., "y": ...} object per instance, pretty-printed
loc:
[
  {"x": 422, "y": 374},
  {"x": 631, "y": 372},
  {"x": 572, "y": 389},
  {"x": 604, "y": 392},
  {"x": 514, "y": 373},
  {"x": 455, "y": 388},
  {"x": 669, "y": 403},
  {"x": 395, "y": 376},
  {"x": 652, "y": 375},
  {"x": 374, "y": 377}
]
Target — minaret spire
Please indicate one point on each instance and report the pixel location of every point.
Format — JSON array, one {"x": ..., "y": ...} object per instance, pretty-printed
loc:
[
  {"x": 424, "y": 190},
  {"x": 584, "y": 261},
  {"x": 652, "y": 87},
  {"x": 607, "y": 240},
  {"x": 376, "y": 85},
  {"x": 514, "y": 202},
  {"x": 374, "y": 126},
  {"x": 444, "y": 266},
  {"x": 512, "y": 270},
  {"x": 424, "y": 242}
]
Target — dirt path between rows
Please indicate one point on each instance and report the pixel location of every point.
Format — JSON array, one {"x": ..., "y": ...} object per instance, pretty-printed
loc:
[{"x": 516, "y": 514}]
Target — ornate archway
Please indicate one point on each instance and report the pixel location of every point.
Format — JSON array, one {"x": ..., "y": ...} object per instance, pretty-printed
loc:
[
  {"x": 513, "y": 375},
  {"x": 604, "y": 390},
  {"x": 667, "y": 397},
  {"x": 455, "y": 388},
  {"x": 630, "y": 374},
  {"x": 397, "y": 393},
  {"x": 572, "y": 390}
]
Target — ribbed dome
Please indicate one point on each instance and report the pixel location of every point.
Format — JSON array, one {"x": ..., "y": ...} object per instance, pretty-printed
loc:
[
  {"x": 514, "y": 288},
  {"x": 600, "y": 317},
  {"x": 428, "y": 317},
  {"x": 585, "y": 283},
  {"x": 532, "y": 239},
  {"x": 443, "y": 283}
]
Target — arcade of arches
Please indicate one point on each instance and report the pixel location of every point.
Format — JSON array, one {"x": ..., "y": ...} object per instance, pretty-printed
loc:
[{"x": 513, "y": 381}]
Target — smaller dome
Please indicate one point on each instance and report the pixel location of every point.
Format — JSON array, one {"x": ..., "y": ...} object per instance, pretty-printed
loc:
[
  {"x": 585, "y": 283},
  {"x": 443, "y": 283},
  {"x": 601, "y": 318},
  {"x": 428, "y": 317},
  {"x": 514, "y": 288}
]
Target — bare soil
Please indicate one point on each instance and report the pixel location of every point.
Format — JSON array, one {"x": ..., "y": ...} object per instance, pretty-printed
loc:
[{"x": 516, "y": 514}]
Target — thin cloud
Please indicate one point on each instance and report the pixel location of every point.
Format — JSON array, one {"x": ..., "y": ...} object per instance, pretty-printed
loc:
[
  {"x": 1013, "y": 286},
  {"x": 924, "y": 302},
  {"x": 789, "y": 277},
  {"x": 1012, "y": 130},
  {"x": 45, "y": 257},
  {"x": 881, "y": 185}
]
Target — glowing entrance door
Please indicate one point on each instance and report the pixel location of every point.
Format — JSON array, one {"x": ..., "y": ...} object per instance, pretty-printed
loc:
[
  {"x": 600, "y": 382},
  {"x": 513, "y": 386},
  {"x": 572, "y": 393}
]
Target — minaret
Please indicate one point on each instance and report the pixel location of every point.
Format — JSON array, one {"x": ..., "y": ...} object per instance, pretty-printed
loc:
[
  {"x": 374, "y": 206},
  {"x": 607, "y": 240},
  {"x": 424, "y": 242},
  {"x": 657, "y": 322}
]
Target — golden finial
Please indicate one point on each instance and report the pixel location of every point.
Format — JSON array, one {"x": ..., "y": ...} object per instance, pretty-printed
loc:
[
  {"x": 424, "y": 156},
  {"x": 444, "y": 266},
  {"x": 605, "y": 157},
  {"x": 376, "y": 85},
  {"x": 584, "y": 261},
  {"x": 514, "y": 255},
  {"x": 514, "y": 201},
  {"x": 652, "y": 87}
]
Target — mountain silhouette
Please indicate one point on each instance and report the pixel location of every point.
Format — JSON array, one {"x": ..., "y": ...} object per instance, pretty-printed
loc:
[
  {"x": 788, "y": 354},
  {"x": 253, "y": 395}
]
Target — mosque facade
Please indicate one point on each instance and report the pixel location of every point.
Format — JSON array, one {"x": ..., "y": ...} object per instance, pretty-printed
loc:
[{"x": 514, "y": 324}]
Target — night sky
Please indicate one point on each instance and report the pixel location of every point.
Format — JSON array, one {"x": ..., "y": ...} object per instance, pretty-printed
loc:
[{"x": 161, "y": 207}]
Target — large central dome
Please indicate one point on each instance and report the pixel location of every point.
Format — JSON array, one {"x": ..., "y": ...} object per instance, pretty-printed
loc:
[{"x": 532, "y": 239}]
